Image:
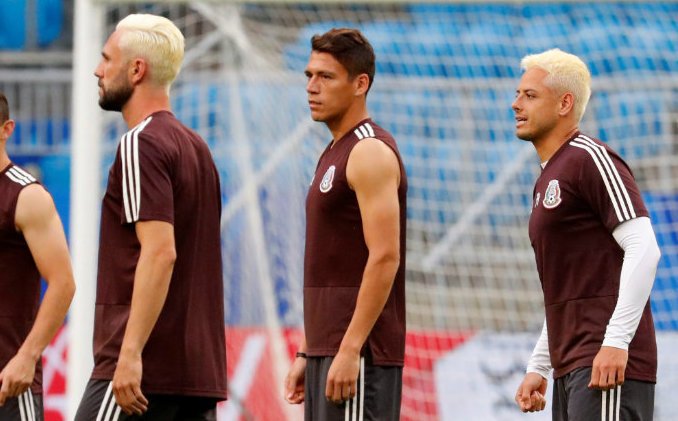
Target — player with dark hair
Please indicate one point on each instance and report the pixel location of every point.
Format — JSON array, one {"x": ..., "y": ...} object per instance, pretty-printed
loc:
[
  {"x": 349, "y": 365},
  {"x": 32, "y": 245},
  {"x": 596, "y": 255},
  {"x": 159, "y": 339}
]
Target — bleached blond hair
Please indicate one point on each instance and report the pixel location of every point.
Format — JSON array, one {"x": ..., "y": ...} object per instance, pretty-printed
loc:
[
  {"x": 566, "y": 73},
  {"x": 155, "y": 39}
]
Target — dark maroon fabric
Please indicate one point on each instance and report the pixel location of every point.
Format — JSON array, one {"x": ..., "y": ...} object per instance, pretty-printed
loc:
[
  {"x": 19, "y": 276},
  {"x": 582, "y": 194},
  {"x": 174, "y": 180},
  {"x": 336, "y": 255}
]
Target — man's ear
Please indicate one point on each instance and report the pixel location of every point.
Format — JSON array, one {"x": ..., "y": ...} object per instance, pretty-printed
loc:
[
  {"x": 138, "y": 69},
  {"x": 362, "y": 84},
  {"x": 6, "y": 129},
  {"x": 566, "y": 103}
]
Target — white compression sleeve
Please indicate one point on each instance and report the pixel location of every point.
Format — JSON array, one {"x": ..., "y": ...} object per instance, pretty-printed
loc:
[
  {"x": 540, "y": 361},
  {"x": 641, "y": 255}
]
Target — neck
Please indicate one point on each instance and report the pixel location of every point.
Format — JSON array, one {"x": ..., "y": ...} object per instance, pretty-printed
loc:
[
  {"x": 340, "y": 126},
  {"x": 549, "y": 144},
  {"x": 144, "y": 102},
  {"x": 4, "y": 158}
]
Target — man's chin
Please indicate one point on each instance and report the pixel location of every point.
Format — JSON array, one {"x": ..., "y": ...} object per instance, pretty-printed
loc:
[{"x": 524, "y": 136}]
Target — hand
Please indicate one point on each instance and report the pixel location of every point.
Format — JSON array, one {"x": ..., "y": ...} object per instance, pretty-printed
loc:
[
  {"x": 16, "y": 377},
  {"x": 608, "y": 368},
  {"x": 294, "y": 382},
  {"x": 342, "y": 378},
  {"x": 530, "y": 395},
  {"x": 127, "y": 385}
]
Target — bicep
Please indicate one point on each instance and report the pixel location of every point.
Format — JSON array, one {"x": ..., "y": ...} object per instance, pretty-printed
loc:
[
  {"x": 155, "y": 235},
  {"x": 373, "y": 172},
  {"x": 37, "y": 219}
]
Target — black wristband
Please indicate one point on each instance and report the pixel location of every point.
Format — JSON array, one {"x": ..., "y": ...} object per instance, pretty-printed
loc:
[{"x": 301, "y": 355}]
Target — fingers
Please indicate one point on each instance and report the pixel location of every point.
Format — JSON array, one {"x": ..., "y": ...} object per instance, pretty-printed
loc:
[
  {"x": 523, "y": 400},
  {"x": 620, "y": 376},
  {"x": 538, "y": 401},
  {"x": 3, "y": 394},
  {"x": 338, "y": 391},
  {"x": 131, "y": 400},
  {"x": 606, "y": 379},
  {"x": 294, "y": 390},
  {"x": 529, "y": 399}
]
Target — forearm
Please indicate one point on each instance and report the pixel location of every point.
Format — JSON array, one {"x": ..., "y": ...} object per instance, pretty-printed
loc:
[
  {"x": 151, "y": 285},
  {"x": 641, "y": 255},
  {"x": 50, "y": 317},
  {"x": 374, "y": 291}
]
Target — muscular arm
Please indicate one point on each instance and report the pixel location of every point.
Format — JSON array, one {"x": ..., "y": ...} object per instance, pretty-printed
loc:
[
  {"x": 151, "y": 284},
  {"x": 373, "y": 172},
  {"x": 38, "y": 221}
]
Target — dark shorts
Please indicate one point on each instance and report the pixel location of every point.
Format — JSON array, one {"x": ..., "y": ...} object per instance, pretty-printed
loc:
[
  {"x": 25, "y": 407},
  {"x": 573, "y": 400},
  {"x": 98, "y": 404},
  {"x": 377, "y": 398}
]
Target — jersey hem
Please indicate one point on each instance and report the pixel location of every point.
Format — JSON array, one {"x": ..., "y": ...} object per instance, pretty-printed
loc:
[
  {"x": 223, "y": 395},
  {"x": 629, "y": 376},
  {"x": 319, "y": 353}
]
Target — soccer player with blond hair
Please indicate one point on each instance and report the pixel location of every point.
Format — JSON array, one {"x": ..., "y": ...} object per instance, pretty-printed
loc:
[
  {"x": 159, "y": 340},
  {"x": 596, "y": 255}
]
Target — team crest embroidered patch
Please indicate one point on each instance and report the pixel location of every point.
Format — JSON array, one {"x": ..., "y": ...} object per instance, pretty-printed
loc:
[
  {"x": 326, "y": 183},
  {"x": 552, "y": 195}
]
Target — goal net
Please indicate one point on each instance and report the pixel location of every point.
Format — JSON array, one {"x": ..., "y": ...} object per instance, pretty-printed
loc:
[{"x": 446, "y": 76}]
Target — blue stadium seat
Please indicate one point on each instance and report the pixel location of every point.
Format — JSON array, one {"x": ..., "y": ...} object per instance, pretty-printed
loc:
[
  {"x": 635, "y": 123},
  {"x": 663, "y": 210},
  {"x": 13, "y": 23},
  {"x": 49, "y": 21}
]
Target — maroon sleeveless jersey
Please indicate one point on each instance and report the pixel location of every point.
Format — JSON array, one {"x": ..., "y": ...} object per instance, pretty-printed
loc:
[
  {"x": 164, "y": 172},
  {"x": 585, "y": 191},
  {"x": 336, "y": 255},
  {"x": 19, "y": 277}
]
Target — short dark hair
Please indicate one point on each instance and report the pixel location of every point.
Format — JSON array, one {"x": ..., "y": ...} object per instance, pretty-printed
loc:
[
  {"x": 4, "y": 108},
  {"x": 350, "y": 48}
]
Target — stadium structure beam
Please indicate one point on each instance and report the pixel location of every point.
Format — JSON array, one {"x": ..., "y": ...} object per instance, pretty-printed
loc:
[{"x": 85, "y": 195}]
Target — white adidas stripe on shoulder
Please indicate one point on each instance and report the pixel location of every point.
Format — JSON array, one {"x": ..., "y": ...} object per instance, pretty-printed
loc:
[
  {"x": 19, "y": 176},
  {"x": 131, "y": 174},
  {"x": 614, "y": 185},
  {"x": 364, "y": 130}
]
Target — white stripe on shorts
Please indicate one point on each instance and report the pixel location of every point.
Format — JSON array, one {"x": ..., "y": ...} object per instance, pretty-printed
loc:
[
  {"x": 109, "y": 409},
  {"x": 613, "y": 406},
  {"x": 357, "y": 414}
]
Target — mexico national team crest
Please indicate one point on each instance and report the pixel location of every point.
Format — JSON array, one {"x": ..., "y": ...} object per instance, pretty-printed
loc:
[
  {"x": 552, "y": 195},
  {"x": 326, "y": 183}
]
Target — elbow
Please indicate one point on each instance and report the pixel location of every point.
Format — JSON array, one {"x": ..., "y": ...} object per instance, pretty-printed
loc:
[
  {"x": 389, "y": 260},
  {"x": 168, "y": 256},
  {"x": 165, "y": 255},
  {"x": 69, "y": 288}
]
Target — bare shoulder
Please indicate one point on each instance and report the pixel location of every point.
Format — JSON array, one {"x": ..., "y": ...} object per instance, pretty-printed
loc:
[
  {"x": 372, "y": 159},
  {"x": 33, "y": 204}
]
